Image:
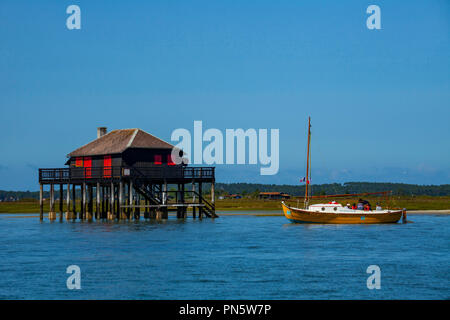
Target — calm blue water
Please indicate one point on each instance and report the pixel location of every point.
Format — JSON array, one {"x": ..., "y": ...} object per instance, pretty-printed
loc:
[{"x": 233, "y": 257}]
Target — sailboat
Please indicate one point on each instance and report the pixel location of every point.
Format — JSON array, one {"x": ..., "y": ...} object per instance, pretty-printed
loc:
[{"x": 333, "y": 212}]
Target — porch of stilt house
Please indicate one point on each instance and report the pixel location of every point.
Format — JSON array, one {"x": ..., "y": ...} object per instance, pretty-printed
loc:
[{"x": 126, "y": 193}]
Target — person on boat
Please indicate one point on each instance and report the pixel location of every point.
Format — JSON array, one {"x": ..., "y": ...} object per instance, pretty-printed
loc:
[
  {"x": 378, "y": 207},
  {"x": 354, "y": 207},
  {"x": 366, "y": 207},
  {"x": 365, "y": 202},
  {"x": 360, "y": 205},
  {"x": 347, "y": 206}
]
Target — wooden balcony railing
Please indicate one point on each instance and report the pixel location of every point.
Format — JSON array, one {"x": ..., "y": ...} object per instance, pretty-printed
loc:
[{"x": 63, "y": 175}]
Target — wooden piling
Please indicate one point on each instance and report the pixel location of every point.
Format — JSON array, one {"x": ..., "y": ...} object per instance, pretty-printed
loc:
[
  {"x": 184, "y": 209},
  {"x": 193, "y": 199},
  {"x": 68, "y": 214},
  {"x": 61, "y": 201},
  {"x": 137, "y": 211},
  {"x": 97, "y": 200},
  {"x": 164, "y": 193},
  {"x": 121, "y": 213},
  {"x": 130, "y": 200},
  {"x": 103, "y": 196},
  {"x": 111, "y": 203},
  {"x": 74, "y": 202},
  {"x": 41, "y": 201},
  {"x": 200, "y": 209},
  {"x": 83, "y": 201},
  {"x": 146, "y": 214},
  {"x": 90, "y": 213},
  {"x": 52, "y": 214}
]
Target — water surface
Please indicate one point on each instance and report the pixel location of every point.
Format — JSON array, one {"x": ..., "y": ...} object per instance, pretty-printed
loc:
[{"x": 232, "y": 257}]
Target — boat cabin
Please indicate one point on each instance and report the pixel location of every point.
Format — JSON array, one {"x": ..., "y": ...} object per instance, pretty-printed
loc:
[{"x": 326, "y": 207}]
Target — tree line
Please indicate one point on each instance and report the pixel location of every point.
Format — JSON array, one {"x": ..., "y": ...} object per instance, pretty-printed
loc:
[
  {"x": 253, "y": 189},
  {"x": 401, "y": 189}
]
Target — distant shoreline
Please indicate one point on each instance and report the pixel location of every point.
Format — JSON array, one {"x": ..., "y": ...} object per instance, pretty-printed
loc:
[
  {"x": 231, "y": 213},
  {"x": 413, "y": 205}
]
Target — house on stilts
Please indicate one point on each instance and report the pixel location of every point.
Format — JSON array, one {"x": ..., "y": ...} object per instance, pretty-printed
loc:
[{"x": 124, "y": 172}]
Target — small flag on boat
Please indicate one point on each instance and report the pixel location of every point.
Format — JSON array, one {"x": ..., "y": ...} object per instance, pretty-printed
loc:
[{"x": 303, "y": 179}]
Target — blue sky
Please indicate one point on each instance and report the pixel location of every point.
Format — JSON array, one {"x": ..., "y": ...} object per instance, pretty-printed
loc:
[{"x": 379, "y": 99}]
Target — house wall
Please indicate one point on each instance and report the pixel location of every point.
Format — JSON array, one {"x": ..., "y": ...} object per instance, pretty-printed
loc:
[
  {"x": 140, "y": 157},
  {"x": 96, "y": 161}
]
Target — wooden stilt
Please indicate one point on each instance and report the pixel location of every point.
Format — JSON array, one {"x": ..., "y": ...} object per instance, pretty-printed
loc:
[
  {"x": 116, "y": 201},
  {"x": 74, "y": 202},
  {"x": 183, "y": 201},
  {"x": 68, "y": 215},
  {"x": 90, "y": 214},
  {"x": 103, "y": 203},
  {"x": 164, "y": 193},
  {"x": 146, "y": 215},
  {"x": 137, "y": 212},
  {"x": 121, "y": 213},
  {"x": 200, "y": 191},
  {"x": 178, "y": 200},
  {"x": 111, "y": 203},
  {"x": 97, "y": 198},
  {"x": 61, "y": 201},
  {"x": 52, "y": 214},
  {"x": 83, "y": 201},
  {"x": 193, "y": 199},
  {"x": 213, "y": 197},
  {"x": 130, "y": 200},
  {"x": 41, "y": 202}
]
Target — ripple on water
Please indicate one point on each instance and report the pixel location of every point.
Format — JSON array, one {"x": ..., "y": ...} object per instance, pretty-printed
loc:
[{"x": 233, "y": 257}]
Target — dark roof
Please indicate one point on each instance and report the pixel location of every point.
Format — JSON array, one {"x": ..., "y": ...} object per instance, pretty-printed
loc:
[{"x": 117, "y": 141}]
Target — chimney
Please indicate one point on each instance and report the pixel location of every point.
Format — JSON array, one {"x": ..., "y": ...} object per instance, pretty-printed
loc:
[{"x": 101, "y": 131}]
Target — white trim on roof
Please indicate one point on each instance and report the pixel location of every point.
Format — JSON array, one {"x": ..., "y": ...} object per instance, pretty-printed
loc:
[{"x": 132, "y": 138}]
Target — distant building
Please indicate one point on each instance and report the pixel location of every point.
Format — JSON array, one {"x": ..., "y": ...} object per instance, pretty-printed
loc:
[
  {"x": 273, "y": 196},
  {"x": 233, "y": 196}
]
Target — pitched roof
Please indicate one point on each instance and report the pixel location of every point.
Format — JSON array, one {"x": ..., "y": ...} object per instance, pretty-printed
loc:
[{"x": 117, "y": 141}]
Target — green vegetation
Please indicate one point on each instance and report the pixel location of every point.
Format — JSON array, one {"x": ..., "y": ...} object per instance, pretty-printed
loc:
[
  {"x": 409, "y": 196},
  {"x": 248, "y": 204},
  {"x": 410, "y": 203},
  {"x": 401, "y": 189},
  {"x": 252, "y": 189}
]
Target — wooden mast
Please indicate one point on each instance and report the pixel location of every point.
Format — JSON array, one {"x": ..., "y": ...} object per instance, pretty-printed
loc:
[{"x": 307, "y": 163}]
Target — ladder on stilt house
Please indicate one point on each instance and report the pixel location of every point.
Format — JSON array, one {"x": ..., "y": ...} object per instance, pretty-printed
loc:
[
  {"x": 155, "y": 196},
  {"x": 208, "y": 209}
]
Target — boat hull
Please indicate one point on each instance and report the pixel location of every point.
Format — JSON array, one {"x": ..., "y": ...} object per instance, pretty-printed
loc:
[{"x": 306, "y": 216}]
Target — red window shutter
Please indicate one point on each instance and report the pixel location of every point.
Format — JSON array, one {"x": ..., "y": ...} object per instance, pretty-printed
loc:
[
  {"x": 78, "y": 162},
  {"x": 158, "y": 159},
  {"x": 88, "y": 166},
  {"x": 169, "y": 160},
  {"x": 107, "y": 167}
]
